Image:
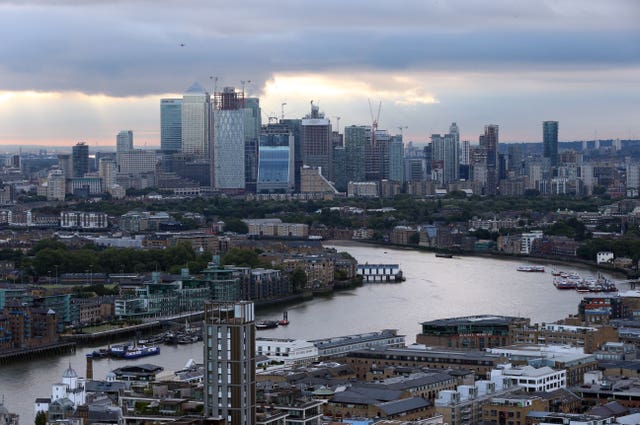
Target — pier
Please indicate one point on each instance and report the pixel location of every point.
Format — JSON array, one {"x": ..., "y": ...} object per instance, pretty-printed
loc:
[
  {"x": 380, "y": 273},
  {"x": 37, "y": 352}
]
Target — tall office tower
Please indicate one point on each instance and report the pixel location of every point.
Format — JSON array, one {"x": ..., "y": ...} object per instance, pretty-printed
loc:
[
  {"x": 428, "y": 158},
  {"x": 229, "y": 362},
  {"x": 66, "y": 165},
  {"x": 396, "y": 159},
  {"x": 317, "y": 148},
  {"x": 295, "y": 126},
  {"x": 445, "y": 157},
  {"x": 276, "y": 159},
  {"x": 252, "y": 124},
  {"x": 489, "y": 141},
  {"x": 124, "y": 143},
  {"x": 356, "y": 139},
  {"x": 170, "y": 125},
  {"x": 196, "y": 121},
  {"x": 107, "y": 171},
  {"x": 80, "y": 159},
  {"x": 228, "y": 153},
  {"x": 377, "y": 156},
  {"x": 465, "y": 147},
  {"x": 514, "y": 159},
  {"x": 550, "y": 141},
  {"x": 455, "y": 132}
]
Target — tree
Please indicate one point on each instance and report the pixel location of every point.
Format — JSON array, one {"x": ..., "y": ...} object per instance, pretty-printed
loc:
[
  {"x": 298, "y": 279},
  {"x": 41, "y": 418},
  {"x": 236, "y": 225}
]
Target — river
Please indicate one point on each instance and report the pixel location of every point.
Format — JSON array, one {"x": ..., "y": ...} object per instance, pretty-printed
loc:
[{"x": 434, "y": 288}]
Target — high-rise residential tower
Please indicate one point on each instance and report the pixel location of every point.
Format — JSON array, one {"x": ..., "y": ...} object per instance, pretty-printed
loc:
[
  {"x": 550, "y": 141},
  {"x": 252, "y": 124},
  {"x": 170, "y": 125},
  {"x": 316, "y": 142},
  {"x": 489, "y": 142},
  {"x": 80, "y": 159},
  {"x": 356, "y": 139},
  {"x": 229, "y": 362},
  {"x": 446, "y": 157},
  {"x": 124, "y": 143},
  {"x": 196, "y": 121},
  {"x": 228, "y": 153}
]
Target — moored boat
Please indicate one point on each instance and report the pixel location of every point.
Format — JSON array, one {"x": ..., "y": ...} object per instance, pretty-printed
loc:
[
  {"x": 538, "y": 269},
  {"x": 141, "y": 351},
  {"x": 266, "y": 324}
]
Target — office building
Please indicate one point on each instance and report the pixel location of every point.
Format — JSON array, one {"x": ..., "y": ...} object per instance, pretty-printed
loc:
[
  {"x": 80, "y": 159},
  {"x": 196, "y": 121},
  {"x": 137, "y": 161},
  {"x": 228, "y": 153},
  {"x": 229, "y": 361},
  {"x": 316, "y": 145},
  {"x": 550, "y": 141},
  {"x": 276, "y": 159},
  {"x": 170, "y": 125},
  {"x": 295, "y": 125},
  {"x": 252, "y": 125},
  {"x": 124, "y": 143}
]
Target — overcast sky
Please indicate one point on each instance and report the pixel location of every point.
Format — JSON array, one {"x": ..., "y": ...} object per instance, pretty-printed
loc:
[{"x": 72, "y": 72}]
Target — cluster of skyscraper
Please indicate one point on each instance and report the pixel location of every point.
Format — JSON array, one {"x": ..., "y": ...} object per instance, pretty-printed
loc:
[{"x": 219, "y": 143}]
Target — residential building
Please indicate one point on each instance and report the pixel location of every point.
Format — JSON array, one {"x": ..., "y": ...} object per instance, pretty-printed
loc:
[
  {"x": 124, "y": 143},
  {"x": 489, "y": 142},
  {"x": 472, "y": 332},
  {"x": 291, "y": 352},
  {"x": 316, "y": 146},
  {"x": 550, "y": 141},
  {"x": 229, "y": 360},
  {"x": 512, "y": 408}
]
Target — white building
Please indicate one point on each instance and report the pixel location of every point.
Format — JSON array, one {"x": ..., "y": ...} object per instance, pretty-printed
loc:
[
  {"x": 56, "y": 185},
  {"x": 71, "y": 388},
  {"x": 604, "y": 257},
  {"x": 530, "y": 378},
  {"x": 364, "y": 189},
  {"x": 526, "y": 240},
  {"x": 290, "y": 351},
  {"x": 107, "y": 170},
  {"x": 137, "y": 161},
  {"x": 83, "y": 220},
  {"x": 124, "y": 143}
]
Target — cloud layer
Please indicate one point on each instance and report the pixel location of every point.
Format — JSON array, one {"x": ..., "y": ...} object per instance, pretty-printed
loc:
[{"x": 434, "y": 56}]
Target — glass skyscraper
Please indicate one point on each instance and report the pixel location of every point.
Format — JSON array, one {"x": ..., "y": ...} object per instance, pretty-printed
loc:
[
  {"x": 550, "y": 141},
  {"x": 171, "y": 125},
  {"x": 196, "y": 121},
  {"x": 80, "y": 158}
]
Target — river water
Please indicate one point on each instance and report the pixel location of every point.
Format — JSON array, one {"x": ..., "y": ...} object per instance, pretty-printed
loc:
[{"x": 434, "y": 288}]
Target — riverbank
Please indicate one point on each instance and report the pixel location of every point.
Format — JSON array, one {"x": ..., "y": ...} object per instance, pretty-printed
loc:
[{"x": 561, "y": 261}]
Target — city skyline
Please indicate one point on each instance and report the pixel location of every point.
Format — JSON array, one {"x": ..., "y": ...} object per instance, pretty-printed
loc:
[{"x": 85, "y": 72}]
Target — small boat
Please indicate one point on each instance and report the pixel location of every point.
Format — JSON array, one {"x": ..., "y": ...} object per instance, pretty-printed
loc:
[
  {"x": 141, "y": 351},
  {"x": 266, "y": 324},
  {"x": 285, "y": 319},
  {"x": 443, "y": 255},
  {"x": 530, "y": 269}
]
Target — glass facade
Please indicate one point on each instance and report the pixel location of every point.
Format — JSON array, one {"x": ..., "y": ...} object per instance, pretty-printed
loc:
[
  {"x": 171, "y": 125},
  {"x": 275, "y": 165}
]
